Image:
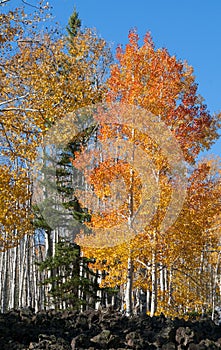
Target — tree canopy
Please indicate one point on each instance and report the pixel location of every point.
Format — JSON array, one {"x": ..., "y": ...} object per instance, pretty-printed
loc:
[{"x": 145, "y": 123}]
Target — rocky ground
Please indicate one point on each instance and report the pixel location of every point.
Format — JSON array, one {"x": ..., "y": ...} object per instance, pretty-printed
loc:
[{"x": 103, "y": 330}]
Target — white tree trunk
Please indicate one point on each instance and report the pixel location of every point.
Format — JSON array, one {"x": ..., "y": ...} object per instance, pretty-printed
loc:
[
  {"x": 153, "y": 306},
  {"x": 99, "y": 292},
  {"x": 170, "y": 287},
  {"x": 148, "y": 300},
  {"x": 129, "y": 287}
]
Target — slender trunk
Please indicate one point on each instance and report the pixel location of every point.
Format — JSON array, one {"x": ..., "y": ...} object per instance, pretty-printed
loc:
[
  {"x": 170, "y": 287},
  {"x": 80, "y": 287},
  {"x": 14, "y": 278},
  {"x": 22, "y": 249},
  {"x": 17, "y": 273},
  {"x": 6, "y": 284},
  {"x": 10, "y": 277},
  {"x": 113, "y": 301},
  {"x": 122, "y": 298},
  {"x": 165, "y": 278},
  {"x": 153, "y": 306},
  {"x": 1, "y": 277},
  {"x": 99, "y": 291},
  {"x": 129, "y": 282},
  {"x": 162, "y": 282},
  {"x": 137, "y": 301},
  {"x": 148, "y": 300},
  {"x": 214, "y": 286},
  {"x": 49, "y": 253},
  {"x": 129, "y": 287},
  {"x": 142, "y": 302},
  {"x": 28, "y": 282}
]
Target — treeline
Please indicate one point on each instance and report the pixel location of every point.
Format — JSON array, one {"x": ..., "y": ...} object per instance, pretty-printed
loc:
[{"x": 86, "y": 231}]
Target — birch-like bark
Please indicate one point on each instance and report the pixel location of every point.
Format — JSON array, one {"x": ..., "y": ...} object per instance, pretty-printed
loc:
[
  {"x": 129, "y": 282},
  {"x": 6, "y": 283},
  {"x": 1, "y": 277},
  {"x": 99, "y": 291},
  {"x": 162, "y": 282},
  {"x": 16, "y": 280},
  {"x": 153, "y": 305},
  {"x": 81, "y": 275},
  {"x": 22, "y": 252},
  {"x": 129, "y": 287},
  {"x": 170, "y": 287},
  {"x": 12, "y": 282},
  {"x": 214, "y": 286}
]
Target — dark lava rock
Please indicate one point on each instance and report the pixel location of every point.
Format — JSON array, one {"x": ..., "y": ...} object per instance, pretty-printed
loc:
[{"x": 107, "y": 329}]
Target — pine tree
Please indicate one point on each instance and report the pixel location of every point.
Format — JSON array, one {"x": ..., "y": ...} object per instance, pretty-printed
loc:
[
  {"x": 68, "y": 287},
  {"x": 74, "y": 25}
]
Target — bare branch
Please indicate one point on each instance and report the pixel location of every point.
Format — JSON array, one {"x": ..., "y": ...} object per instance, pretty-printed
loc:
[
  {"x": 142, "y": 263},
  {"x": 28, "y": 41},
  {"x": 20, "y": 109},
  {"x": 7, "y": 139},
  {"x": 27, "y": 3},
  {"x": 13, "y": 99},
  {"x": 2, "y": 2}
]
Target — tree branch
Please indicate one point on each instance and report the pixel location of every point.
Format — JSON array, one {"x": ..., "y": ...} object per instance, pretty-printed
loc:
[
  {"x": 13, "y": 99},
  {"x": 27, "y": 3},
  {"x": 20, "y": 109},
  {"x": 7, "y": 139},
  {"x": 142, "y": 263},
  {"x": 2, "y": 2}
]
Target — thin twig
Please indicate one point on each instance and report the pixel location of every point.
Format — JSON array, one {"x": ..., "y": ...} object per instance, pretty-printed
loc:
[
  {"x": 27, "y": 3},
  {"x": 19, "y": 109},
  {"x": 13, "y": 99}
]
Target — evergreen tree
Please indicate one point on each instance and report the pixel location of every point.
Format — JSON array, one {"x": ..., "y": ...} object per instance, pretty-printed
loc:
[
  {"x": 74, "y": 25},
  {"x": 70, "y": 281},
  {"x": 70, "y": 287}
]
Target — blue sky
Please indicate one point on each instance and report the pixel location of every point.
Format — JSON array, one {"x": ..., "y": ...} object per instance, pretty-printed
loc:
[{"x": 190, "y": 29}]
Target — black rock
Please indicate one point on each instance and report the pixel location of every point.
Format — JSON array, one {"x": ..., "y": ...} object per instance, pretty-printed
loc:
[{"x": 108, "y": 329}]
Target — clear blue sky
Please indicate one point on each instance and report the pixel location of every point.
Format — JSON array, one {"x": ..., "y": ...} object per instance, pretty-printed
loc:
[{"x": 190, "y": 29}]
